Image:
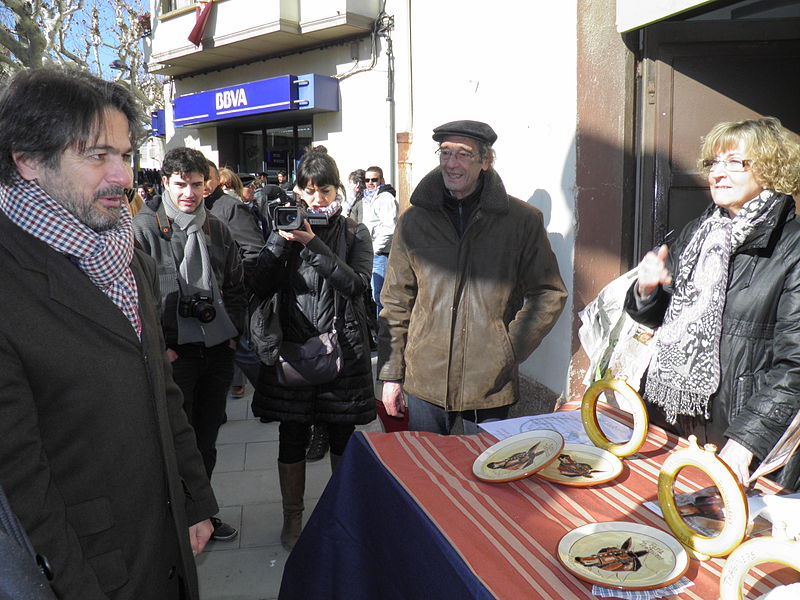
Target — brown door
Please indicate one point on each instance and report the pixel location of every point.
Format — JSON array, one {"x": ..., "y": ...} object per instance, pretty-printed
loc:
[{"x": 694, "y": 75}]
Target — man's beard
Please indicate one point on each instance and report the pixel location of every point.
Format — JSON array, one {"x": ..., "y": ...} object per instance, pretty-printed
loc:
[{"x": 96, "y": 218}]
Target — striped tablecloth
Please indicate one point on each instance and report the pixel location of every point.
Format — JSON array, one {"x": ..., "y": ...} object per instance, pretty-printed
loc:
[{"x": 504, "y": 535}]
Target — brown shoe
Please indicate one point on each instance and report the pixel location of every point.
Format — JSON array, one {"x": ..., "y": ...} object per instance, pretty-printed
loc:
[{"x": 237, "y": 391}]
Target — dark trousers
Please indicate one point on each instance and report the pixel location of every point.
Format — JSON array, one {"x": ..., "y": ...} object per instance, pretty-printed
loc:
[
  {"x": 293, "y": 438},
  {"x": 247, "y": 360},
  {"x": 204, "y": 376},
  {"x": 424, "y": 416}
]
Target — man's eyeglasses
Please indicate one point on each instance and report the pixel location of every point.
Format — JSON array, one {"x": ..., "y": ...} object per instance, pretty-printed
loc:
[
  {"x": 372, "y": 179},
  {"x": 732, "y": 165},
  {"x": 462, "y": 156}
]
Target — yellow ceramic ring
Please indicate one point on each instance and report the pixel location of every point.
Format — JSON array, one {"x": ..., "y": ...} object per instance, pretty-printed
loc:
[
  {"x": 748, "y": 555},
  {"x": 592, "y": 427},
  {"x": 730, "y": 491}
]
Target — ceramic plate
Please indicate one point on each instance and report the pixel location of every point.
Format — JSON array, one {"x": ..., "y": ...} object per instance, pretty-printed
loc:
[
  {"x": 623, "y": 556},
  {"x": 518, "y": 456},
  {"x": 581, "y": 465}
]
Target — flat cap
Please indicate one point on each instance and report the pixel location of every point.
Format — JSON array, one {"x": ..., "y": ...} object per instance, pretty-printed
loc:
[{"x": 471, "y": 129}]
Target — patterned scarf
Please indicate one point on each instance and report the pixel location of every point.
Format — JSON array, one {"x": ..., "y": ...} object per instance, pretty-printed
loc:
[
  {"x": 333, "y": 208},
  {"x": 104, "y": 257},
  {"x": 685, "y": 368}
]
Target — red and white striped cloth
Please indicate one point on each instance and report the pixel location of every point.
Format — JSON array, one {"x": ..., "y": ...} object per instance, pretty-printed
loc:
[{"x": 507, "y": 533}]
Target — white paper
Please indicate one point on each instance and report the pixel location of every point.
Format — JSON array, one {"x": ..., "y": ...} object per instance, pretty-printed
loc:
[{"x": 568, "y": 423}]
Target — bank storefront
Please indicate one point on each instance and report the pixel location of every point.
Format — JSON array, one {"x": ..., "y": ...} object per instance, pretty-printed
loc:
[{"x": 261, "y": 125}]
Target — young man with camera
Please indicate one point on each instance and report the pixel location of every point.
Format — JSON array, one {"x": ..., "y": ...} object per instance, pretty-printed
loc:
[{"x": 203, "y": 298}]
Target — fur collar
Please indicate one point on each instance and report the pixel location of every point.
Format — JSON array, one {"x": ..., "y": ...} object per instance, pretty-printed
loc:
[{"x": 430, "y": 192}]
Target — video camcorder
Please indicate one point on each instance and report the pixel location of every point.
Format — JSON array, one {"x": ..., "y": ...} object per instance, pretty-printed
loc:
[{"x": 291, "y": 218}]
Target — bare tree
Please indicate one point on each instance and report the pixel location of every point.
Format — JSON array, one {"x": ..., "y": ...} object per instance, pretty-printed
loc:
[{"x": 85, "y": 33}]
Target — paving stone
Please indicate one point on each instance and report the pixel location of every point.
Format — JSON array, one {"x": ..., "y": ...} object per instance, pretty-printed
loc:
[
  {"x": 245, "y": 574},
  {"x": 230, "y": 457}
]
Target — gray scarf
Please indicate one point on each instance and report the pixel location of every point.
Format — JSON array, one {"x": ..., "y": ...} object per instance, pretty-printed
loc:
[
  {"x": 685, "y": 368},
  {"x": 196, "y": 276}
]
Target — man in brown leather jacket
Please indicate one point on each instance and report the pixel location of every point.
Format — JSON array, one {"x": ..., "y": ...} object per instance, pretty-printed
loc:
[{"x": 472, "y": 287}]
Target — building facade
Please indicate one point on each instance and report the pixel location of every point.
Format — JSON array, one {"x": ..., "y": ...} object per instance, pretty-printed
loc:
[{"x": 598, "y": 104}]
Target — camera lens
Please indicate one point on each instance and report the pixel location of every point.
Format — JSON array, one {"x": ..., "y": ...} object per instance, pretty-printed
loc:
[{"x": 204, "y": 312}]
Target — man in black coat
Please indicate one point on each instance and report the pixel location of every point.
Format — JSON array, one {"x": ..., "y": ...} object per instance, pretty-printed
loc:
[
  {"x": 96, "y": 455},
  {"x": 238, "y": 218}
]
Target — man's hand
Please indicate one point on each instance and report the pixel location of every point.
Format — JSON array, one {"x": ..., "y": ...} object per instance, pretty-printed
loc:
[
  {"x": 199, "y": 534},
  {"x": 393, "y": 399},
  {"x": 738, "y": 458},
  {"x": 653, "y": 272},
  {"x": 172, "y": 356}
]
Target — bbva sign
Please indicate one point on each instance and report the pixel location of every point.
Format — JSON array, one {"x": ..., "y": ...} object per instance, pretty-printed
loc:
[{"x": 231, "y": 98}]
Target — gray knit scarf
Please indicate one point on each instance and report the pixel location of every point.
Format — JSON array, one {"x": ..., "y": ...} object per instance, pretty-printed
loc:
[
  {"x": 197, "y": 277},
  {"x": 685, "y": 368}
]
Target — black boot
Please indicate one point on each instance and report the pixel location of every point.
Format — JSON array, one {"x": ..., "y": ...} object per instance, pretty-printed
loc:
[{"x": 318, "y": 445}]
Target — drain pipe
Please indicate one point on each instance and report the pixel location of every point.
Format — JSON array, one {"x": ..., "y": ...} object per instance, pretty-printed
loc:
[{"x": 387, "y": 25}]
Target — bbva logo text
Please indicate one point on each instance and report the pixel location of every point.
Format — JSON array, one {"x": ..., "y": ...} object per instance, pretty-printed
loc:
[{"x": 231, "y": 98}]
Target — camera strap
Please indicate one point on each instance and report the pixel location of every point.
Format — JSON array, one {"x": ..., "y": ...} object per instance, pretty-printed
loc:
[{"x": 164, "y": 224}]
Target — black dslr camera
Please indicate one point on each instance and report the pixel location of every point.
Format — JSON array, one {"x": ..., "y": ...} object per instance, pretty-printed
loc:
[
  {"x": 198, "y": 307},
  {"x": 291, "y": 218}
]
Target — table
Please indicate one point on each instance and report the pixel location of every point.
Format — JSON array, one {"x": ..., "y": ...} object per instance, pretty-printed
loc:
[{"x": 403, "y": 517}]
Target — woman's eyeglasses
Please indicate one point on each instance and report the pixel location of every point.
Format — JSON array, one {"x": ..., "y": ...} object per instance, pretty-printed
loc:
[{"x": 732, "y": 165}]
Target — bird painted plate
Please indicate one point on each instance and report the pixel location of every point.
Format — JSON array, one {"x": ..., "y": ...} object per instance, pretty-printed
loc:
[
  {"x": 623, "y": 556},
  {"x": 581, "y": 465},
  {"x": 518, "y": 456}
]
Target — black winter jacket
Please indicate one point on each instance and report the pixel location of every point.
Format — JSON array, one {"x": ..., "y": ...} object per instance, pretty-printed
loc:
[
  {"x": 306, "y": 278},
  {"x": 759, "y": 390},
  {"x": 244, "y": 228}
]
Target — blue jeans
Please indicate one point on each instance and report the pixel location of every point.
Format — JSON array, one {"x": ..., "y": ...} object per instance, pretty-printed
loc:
[
  {"x": 378, "y": 273},
  {"x": 424, "y": 416}
]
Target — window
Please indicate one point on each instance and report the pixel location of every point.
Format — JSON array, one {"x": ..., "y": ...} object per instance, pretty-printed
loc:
[{"x": 170, "y": 5}]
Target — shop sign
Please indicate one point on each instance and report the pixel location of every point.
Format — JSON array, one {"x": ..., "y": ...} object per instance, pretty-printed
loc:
[{"x": 286, "y": 92}]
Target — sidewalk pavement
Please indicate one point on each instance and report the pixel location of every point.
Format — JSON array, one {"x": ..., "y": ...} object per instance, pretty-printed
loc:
[{"x": 245, "y": 482}]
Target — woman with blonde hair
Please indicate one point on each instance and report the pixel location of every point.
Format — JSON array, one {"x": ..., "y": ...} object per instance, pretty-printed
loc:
[
  {"x": 726, "y": 300},
  {"x": 231, "y": 183}
]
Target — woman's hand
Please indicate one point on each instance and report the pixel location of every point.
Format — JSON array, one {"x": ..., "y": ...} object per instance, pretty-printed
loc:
[
  {"x": 738, "y": 458},
  {"x": 298, "y": 235},
  {"x": 653, "y": 272}
]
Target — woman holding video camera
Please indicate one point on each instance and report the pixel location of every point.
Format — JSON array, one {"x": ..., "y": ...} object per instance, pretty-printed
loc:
[{"x": 315, "y": 267}]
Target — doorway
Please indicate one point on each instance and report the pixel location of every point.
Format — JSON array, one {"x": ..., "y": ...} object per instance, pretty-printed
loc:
[{"x": 694, "y": 75}]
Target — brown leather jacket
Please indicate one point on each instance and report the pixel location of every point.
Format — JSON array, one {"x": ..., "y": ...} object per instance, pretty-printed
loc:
[{"x": 460, "y": 314}]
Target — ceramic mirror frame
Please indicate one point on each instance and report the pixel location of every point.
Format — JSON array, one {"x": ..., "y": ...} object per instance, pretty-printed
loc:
[
  {"x": 592, "y": 427},
  {"x": 751, "y": 554},
  {"x": 733, "y": 499}
]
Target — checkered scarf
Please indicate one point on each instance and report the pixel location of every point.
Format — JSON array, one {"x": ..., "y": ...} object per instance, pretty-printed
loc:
[{"x": 104, "y": 257}]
